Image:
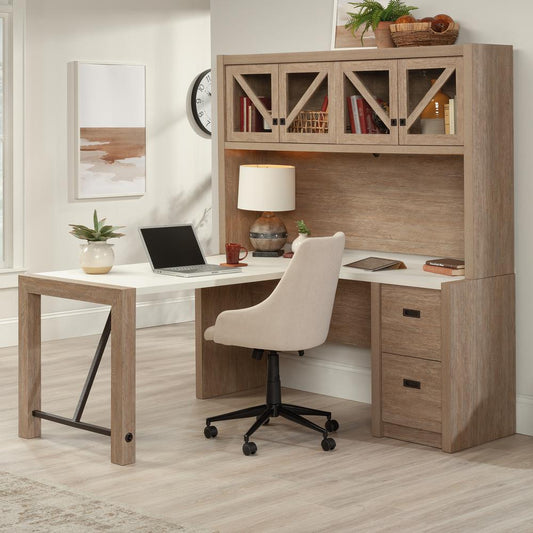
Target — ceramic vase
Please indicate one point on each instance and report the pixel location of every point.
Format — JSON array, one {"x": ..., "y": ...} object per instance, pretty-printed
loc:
[
  {"x": 96, "y": 257},
  {"x": 296, "y": 242},
  {"x": 432, "y": 118}
]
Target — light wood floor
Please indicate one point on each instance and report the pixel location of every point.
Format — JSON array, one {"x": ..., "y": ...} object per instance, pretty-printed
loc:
[{"x": 291, "y": 485}]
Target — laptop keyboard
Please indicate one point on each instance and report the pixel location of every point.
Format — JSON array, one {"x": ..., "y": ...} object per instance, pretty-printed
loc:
[{"x": 195, "y": 268}]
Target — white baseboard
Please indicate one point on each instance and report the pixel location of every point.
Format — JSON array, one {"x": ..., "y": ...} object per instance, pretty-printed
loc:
[
  {"x": 337, "y": 379},
  {"x": 524, "y": 414},
  {"x": 80, "y": 322}
]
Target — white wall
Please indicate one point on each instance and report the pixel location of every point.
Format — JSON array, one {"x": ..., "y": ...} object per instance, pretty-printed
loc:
[
  {"x": 300, "y": 25},
  {"x": 172, "y": 38}
]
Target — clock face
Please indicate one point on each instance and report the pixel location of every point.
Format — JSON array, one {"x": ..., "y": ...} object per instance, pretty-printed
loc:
[{"x": 201, "y": 101}]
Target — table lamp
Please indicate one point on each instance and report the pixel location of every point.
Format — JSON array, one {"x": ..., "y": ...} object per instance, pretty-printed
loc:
[{"x": 267, "y": 188}]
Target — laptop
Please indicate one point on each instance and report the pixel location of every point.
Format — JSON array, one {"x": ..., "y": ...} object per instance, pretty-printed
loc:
[{"x": 175, "y": 251}]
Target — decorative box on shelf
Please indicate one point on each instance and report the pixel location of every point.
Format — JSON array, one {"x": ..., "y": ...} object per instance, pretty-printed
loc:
[{"x": 310, "y": 122}]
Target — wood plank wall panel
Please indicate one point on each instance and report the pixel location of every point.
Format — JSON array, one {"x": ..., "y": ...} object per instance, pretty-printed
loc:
[
  {"x": 224, "y": 369},
  {"x": 489, "y": 189},
  {"x": 394, "y": 203},
  {"x": 350, "y": 321},
  {"x": 478, "y": 361}
]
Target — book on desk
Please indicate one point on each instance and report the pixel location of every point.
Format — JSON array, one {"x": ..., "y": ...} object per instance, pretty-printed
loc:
[{"x": 376, "y": 263}]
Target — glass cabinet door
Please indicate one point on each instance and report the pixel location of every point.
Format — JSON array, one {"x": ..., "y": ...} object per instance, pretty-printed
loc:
[
  {"x": 305, "y": 102},
  {"x": 368, "y": 109},
  {"x": 431, "y": 101},
  {"x": 252, "y": 103}
]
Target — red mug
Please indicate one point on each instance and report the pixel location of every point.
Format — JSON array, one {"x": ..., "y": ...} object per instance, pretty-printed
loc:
[{"x": 233, "y": 252}]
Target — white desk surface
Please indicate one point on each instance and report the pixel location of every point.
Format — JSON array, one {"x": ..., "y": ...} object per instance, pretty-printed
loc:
[{"x": 141, "y": 277}]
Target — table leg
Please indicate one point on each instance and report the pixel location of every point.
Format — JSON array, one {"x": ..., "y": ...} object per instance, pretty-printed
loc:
[
  {"x": 123, "y": 378},
  {"x": 29, "y": 362}
]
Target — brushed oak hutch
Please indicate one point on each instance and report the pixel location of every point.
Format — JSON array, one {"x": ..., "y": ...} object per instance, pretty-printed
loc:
[{"x": 443, "y": 361}]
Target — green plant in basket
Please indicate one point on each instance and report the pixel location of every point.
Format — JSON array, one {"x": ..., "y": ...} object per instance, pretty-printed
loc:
[
  {"x": 302, "y": 228},
  {"x": 370, "y": 13},
  {"x": 100, "y": 232}
]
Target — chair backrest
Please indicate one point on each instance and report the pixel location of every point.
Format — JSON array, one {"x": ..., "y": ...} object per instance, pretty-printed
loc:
[
  {"x": 302, "y": 302},
  {"x": 297, "y": 313}
]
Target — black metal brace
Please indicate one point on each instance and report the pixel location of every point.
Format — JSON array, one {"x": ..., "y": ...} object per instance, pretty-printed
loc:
[{"x": 75, "y": 421}]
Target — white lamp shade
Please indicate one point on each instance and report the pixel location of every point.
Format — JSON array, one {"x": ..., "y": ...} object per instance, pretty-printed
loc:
[{"x": 267, "y": 188}]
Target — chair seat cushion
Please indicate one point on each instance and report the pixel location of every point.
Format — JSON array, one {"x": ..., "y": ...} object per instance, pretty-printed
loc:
[{"x": 209, "y": 333}]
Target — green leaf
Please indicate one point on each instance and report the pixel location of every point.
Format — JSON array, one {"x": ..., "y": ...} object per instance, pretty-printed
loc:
[{"x": 95, "y": 220}]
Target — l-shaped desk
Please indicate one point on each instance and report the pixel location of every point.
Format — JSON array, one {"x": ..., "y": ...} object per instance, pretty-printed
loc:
[{"x": 441, "y": 375}]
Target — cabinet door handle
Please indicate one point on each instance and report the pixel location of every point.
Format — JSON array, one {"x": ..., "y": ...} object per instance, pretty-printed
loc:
[
  {"x": 403, "y": 122},
  {"x": 282, "y": 122},
  {"x": 411, "y": 384},
  {"x": 274, "y": 122},
  {"x": 411, "y": 313},
  {"x": 393, "y": 121}
]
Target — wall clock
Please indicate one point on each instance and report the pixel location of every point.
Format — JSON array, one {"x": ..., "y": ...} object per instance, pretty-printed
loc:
[{"x": 201, "y": 101}]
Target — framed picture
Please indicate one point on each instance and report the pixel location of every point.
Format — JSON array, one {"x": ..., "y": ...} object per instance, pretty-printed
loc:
[
  {"x": 343, "y": 38},
  {"x": 109, "y": 130}
]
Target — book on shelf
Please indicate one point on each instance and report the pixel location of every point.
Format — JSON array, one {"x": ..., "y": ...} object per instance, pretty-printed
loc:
[
  {"x": 361, "y": 113},
  {"x": 453, "y": 112},
  {"x": 444, "y": 271},
  {"x": 250, "y": 118},
  {"x": 354, "y": 115},
  {"x": 324, "y": 107},
  {"x": 447, "y": 119},
  {"x": 376, "y": 263},
  {"x": 446, "y": 262},
  {"x": 350, "y": 114}
]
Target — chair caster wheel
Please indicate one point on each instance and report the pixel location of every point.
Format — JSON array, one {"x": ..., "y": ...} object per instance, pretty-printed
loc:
[
  {"x": 210, "y": 432},
  {"x": 266, "y": 422},
  {"x": 328, "y": 444},
  {"x": 332, "y": 425},
  {"x": 249, "y": 448}
]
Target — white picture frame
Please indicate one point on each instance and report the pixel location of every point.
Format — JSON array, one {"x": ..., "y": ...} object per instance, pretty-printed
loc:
[
  {"x": 341, "y": 38},
  {"x": 108, "y": 129}
]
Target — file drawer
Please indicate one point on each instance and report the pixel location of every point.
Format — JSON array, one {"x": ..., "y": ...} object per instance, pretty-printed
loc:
[
  {"x": 411, "y": 390},
  {"x": 410, "y": 321}
]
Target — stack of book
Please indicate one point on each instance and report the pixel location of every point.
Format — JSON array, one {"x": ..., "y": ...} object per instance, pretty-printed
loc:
[
  {"x": 250, "y": 118},
  {"x": 360, "y": 115},
  {"x": 450, "y": 117},
  {"x": 446, "y": 266}
]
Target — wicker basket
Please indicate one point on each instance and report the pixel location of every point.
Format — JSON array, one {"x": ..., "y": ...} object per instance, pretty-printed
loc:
[
  {"x": 421, "y": 34},
  {"x": 310, "y": 122}
]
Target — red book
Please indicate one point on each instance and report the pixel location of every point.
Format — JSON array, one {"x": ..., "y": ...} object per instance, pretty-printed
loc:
[
  {"x": 369, "y": 118},
  {"x": 324, "y": 104},
  {"x": 445, "y": 271},
  {"x": 350, "y": 114},
  {"x": 361, "y": 112}
]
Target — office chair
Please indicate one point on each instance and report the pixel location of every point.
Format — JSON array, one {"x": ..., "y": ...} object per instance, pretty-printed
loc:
[{"x": 295, "y": 317}]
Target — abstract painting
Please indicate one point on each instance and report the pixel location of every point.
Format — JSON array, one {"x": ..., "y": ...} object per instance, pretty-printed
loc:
[{"x": 110, "y": 130}]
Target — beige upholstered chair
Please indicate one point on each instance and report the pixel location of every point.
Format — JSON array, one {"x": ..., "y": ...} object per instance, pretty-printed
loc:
[{"x": 295, "y": 317}]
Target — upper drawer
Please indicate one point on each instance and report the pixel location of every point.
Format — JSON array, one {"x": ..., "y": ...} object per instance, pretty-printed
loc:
[{"x": 410, "y": 321}]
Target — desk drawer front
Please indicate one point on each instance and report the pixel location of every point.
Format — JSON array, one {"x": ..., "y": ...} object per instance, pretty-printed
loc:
[
  {"x": 411, "y": 392},
  {"x": 410, "y": 321}
]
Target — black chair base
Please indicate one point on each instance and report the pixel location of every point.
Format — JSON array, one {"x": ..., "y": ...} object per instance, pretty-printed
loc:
[{"x": 274, "y": 408}]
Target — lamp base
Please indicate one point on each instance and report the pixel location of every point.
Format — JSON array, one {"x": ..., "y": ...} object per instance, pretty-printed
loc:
[
  {"x": 272, "y": 253},
  {"x": 268, "y": 234}
]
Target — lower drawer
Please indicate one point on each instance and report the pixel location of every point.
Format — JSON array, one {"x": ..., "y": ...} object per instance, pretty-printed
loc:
[{"x": 411, "y": 392}]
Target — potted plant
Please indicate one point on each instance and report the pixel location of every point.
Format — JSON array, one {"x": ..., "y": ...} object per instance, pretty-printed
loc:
[
  {"x": 97, "y": 255},
  {"x": 303, "y": 233},
  {"x": 371, "y": 14}
]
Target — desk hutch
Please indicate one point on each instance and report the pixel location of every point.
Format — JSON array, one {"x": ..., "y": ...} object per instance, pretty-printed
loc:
[{"x": 443, "y": 361}]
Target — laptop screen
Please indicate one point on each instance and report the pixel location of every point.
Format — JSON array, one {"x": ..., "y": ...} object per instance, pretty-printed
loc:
[{"x": 172, "y": 246}]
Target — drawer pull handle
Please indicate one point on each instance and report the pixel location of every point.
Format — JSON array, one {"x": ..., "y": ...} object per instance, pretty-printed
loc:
[
  {"x": 411, "y": 313},
  {"x": 411, "y": 383}
]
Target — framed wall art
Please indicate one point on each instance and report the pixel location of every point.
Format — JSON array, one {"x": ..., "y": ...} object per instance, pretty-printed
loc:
[{"x": 109, "y": 130}]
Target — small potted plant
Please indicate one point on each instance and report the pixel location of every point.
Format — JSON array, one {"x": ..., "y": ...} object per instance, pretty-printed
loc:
[
  {"x": 371, "y": 14},
  {"x": 303, "y": 233},
  {"x": 97, "y": 255}
]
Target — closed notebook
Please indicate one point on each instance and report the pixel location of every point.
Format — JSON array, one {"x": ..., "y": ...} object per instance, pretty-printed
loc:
[
  {"x": 446, "y": 262},
  {"x": 376, "y": 263}
]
